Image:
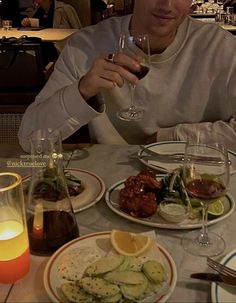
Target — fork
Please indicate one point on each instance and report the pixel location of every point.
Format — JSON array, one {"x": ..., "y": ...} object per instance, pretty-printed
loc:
[{"x": 220, "y": 268}]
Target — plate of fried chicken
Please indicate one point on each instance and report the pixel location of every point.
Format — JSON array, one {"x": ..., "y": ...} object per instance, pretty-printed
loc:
[{"x": 137, "y": 199}]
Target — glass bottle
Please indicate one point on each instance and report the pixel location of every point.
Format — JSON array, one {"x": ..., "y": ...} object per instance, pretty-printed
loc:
[
  {"x": 220, "y": 16},
  {"x": 229, "y": 15},
  {"x": 50, "y": 217}
]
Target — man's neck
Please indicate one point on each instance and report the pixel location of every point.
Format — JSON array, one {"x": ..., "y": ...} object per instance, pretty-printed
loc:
[{"x": 158, "y": 44}]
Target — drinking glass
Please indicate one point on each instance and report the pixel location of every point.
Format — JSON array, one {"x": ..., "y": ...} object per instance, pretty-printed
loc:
[
  {"x": 229, "y": 15},
  {"x": 206, "y": 177},
  {"x": 7, "y": 24},
  {"x": 135, "y": 46},
  {"x": 14, "y": 243}
]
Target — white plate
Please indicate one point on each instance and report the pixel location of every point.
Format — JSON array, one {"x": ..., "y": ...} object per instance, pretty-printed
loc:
[
  {"x": 52, "y": 281},
  {"x": 222, "y": 293},
  {"x": 112, "y": 200},
  {"x": 94, "y": 188},
  {"x": 173, "y": 147}
]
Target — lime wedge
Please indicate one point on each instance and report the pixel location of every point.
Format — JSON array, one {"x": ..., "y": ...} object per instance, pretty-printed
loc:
[{"x": 216, "y": 208}]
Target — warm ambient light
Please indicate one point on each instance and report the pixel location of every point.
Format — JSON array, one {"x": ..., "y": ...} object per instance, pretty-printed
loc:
[
  {"x": 14, "y": 251},
  {"x": 10, "y": 229}
]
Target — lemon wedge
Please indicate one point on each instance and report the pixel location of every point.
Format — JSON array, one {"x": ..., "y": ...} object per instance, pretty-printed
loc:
[{"x": 129, "y": 244}]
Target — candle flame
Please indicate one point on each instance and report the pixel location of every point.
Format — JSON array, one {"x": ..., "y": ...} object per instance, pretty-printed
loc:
[{"x": 10, "y": 229}]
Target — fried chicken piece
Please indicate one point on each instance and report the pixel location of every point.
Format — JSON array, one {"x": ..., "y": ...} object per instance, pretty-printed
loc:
[
  {"x": 140, "y": 205},
  {"x": 138, "y": 197}
]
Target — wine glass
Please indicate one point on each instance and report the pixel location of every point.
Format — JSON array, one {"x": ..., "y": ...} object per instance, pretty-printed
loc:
[
  {"x": 135, "y": 46},
  {"x": 206, "y": 177}
]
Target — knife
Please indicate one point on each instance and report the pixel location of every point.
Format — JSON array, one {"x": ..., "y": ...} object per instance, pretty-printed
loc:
[
  {"x": 227, "y": 279},
  {"x": 207, "y": 276},
  {"x": 177, "y": 157}
]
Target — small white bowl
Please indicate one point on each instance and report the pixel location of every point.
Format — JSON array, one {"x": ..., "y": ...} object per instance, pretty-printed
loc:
[{"x": 173, "y": 212}]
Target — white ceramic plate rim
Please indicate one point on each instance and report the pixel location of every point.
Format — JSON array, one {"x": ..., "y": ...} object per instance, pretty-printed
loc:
[
  {"x": 215, "y": 288},
  {"x": 162, "y": 168},
  {"x": 96, "y": 178},
  {"x": 51, "y": 289},
  {"x": 167, "y": 225}
]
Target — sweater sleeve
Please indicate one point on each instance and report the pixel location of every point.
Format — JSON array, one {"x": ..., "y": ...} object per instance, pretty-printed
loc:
[
  {"x": 59, "y": 105},
  {"x": 182, "y": 132}
]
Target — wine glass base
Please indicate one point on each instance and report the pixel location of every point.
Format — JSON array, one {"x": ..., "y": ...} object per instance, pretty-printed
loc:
[
  {"x": 130, "y": 114},
  {"x": 214, "y": 247}
]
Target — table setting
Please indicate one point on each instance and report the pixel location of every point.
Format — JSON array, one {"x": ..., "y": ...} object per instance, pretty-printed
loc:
[{"x": 103, "y": 171}]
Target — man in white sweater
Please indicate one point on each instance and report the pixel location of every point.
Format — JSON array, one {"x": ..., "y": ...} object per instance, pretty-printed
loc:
[{"x": 190, "y": 86}]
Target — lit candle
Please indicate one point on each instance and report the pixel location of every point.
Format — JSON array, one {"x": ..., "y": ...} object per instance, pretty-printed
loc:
[
  {"x": 14, "y": 243},
  {"x": 14, "y": 251}
]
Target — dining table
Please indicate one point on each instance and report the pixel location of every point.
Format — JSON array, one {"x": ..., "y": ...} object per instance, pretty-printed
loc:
[
  {"x": 46, "y": 34},
  {"x": 113, "y": 163}
]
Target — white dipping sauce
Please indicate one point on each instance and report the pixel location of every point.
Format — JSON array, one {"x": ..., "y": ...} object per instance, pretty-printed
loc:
[{"x": 174, "y": 209}]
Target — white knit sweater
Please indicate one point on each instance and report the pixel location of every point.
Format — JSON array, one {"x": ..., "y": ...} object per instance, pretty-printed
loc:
[{"x": 190, "y": 86}]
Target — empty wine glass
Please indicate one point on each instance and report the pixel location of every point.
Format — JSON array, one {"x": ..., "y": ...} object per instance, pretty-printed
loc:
[
  {"x": 135, "y": 46},
  {"x": 206, "y": 177}
]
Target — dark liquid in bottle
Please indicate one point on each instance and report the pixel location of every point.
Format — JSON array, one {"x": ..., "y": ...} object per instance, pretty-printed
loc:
[
  {"x": 205, "y": 189},
  {"x": 58, "y": 228},
  {"x": 142, "y": 73}
]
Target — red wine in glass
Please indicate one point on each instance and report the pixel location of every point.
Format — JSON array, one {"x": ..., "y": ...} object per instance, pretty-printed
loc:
[
  {"x": 206, "y": 181},
  {"x": 135, "y": 46},
  {"x": 205, "y": 189},
  {"x": 142, "y": 72}
]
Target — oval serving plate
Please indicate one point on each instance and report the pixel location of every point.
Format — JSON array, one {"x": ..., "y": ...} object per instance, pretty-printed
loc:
[
  {"x": 100, "y": 241},
  {"x": 173, "y": 147},
  {"x": 112, "y": 200}
]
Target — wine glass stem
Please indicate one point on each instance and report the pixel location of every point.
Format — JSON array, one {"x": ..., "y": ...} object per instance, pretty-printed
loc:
[
  {"x": 203, "y": 238},
  {"x": 132, "y": 103}
]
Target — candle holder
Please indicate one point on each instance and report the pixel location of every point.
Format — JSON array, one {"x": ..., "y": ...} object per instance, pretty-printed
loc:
[{"x": 14, "y": 243}]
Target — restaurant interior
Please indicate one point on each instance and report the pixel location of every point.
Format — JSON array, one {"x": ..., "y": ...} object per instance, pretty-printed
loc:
[
  {"x": 16, "y": 94},
  {"x": 103, "y": 177}
]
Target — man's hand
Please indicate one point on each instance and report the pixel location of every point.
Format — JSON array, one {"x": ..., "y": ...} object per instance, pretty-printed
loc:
[
  {"x": 26, "y": 22},
  {"x": 107, "y": 73}
]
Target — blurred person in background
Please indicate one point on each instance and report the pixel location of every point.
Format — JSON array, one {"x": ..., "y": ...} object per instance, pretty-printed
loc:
[
  {"x": 9, "y": 10},
  {"x": 56, "y": 14},
  {"x": 190, "y": 86},
  {"x": 52, "y": 14}
]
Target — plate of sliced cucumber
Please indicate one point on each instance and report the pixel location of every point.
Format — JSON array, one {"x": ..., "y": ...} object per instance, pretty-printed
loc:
[{"x": 88, "y": 269}]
